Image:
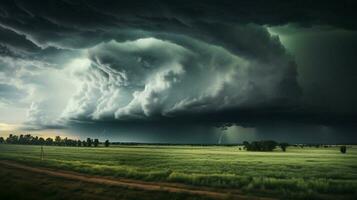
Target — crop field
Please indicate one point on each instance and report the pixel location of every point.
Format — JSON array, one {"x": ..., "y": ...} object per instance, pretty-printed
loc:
[{"x": 299, "y": 173}]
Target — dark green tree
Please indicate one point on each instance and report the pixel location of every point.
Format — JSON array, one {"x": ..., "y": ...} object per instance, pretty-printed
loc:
[
  {"x": 41, "y": 141},
  {"x": 65, "y": 141},
  {"x": 58, "y": 141},
  {"x": 22, "y": 139},
  {"x": 343, "y": 149},
  {"x": 27, "y": 139},
  {"x": 246, "y": 144},
  {"x": 12, "y": 139},
  {"x": 2, "y": 141},
  {"x": 267, "y": 145},
  {"x": 283, "y": 146},
  {"x": 35, "y": 140},
  {"x": 89, "y": 142},
  {"x": 96, "y": 142},
  {"x": 49, "y": 141},
  {"x": 106, "y": 143},
  {"x": 8, "y": 139}
]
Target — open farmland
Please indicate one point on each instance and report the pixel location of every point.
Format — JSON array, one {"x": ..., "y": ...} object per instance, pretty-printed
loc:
[{"x": 299, "y": 173}]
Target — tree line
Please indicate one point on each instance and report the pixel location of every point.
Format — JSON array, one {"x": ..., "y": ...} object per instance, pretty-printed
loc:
[
  {"x": 270, "y": 145},
  {"x": 264, "y": 145},
  {"x": 58, "y": 141}
]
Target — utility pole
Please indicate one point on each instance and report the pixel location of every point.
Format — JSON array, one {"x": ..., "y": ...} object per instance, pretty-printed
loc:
[{"x": 42, "y": 153}]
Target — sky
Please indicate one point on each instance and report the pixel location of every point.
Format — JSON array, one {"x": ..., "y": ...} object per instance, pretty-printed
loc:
[{"x": 180, "y": 71}]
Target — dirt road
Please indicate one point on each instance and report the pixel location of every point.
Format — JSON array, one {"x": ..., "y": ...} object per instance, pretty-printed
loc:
[{"x": 135, "y": 184}]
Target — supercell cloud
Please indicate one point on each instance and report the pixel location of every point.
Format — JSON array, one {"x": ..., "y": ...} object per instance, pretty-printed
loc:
[
  {"x": 150, "y": 78},
  {"x": 110, "y": 64}
]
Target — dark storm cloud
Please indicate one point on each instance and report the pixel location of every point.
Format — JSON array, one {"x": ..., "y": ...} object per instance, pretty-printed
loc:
[
  {"x": 13, "y": 41},
  {"x": 85, "y": 23},
  {"x": 200, "y": 61},
  {"x": 327, "y": 65},
  {"x": 10, "y": 94},
  {"x": 137, "y": 80}
]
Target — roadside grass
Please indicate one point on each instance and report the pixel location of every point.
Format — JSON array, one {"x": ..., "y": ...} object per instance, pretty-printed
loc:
[
  {"x": 309, "y": 173},
  {"x": 18, "y": 184}
]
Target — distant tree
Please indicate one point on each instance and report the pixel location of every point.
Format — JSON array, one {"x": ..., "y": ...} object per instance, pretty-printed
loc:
[
  {"x": 89, "y": 142},
  {"x": 79, "y": 143},
  {"x": 84, "y": 143},
  {"x": 41, "y": 141},
  {"x": 15, "y": 139},
  {"x": 65, "y": 141},
  {"x": 343, "y": 149},
  {"x": 35, "y": 140},
  {"x": 106, "y": 143},
  {"x": 70, "y": 142},
  {"x": 283, "y": 146},
  {"x": 2, "y": 141},
  {"x": 49, "y": 141},
  {"x": 245, "y": 144},
  {"x": 96, "y": 142},
  {"x": 58, "y": 140},
  {"x": 8, "y": 139},
  {"x": 267, "y": 145},
  {"x": 22, "y": 139},
  {"x": 12, "y": 139},
  {"x": 27, "y": 139},
  {"x": 254, "y": 146}
]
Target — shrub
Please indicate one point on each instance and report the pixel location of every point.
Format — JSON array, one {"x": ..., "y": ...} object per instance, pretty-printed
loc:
[{"x": 343, "y": 149}]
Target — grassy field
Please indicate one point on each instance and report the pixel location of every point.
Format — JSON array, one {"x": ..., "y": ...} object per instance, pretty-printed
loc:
[
  {"x": 308, "y": 173},
  {"x": 23, "y": 185}
]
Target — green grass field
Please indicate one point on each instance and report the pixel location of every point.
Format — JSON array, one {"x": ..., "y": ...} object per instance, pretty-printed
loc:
[
  {"x": 308, "y": 173},
  {"x": 23, "y": 185}
]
